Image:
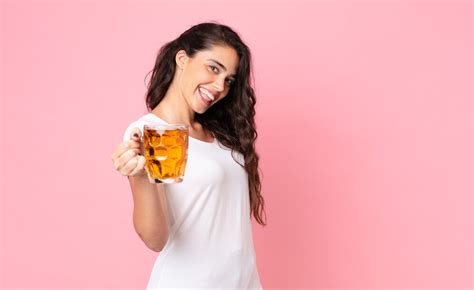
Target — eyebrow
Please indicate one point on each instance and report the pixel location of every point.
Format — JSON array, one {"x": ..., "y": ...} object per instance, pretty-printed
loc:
[{"x": 221, "y": 65}]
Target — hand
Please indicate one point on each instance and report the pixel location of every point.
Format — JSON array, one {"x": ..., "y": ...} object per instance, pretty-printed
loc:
[{"x": 128, "y": 157}]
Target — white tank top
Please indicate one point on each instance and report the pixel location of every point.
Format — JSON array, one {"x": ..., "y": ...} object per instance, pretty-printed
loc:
[{"x": 210, "y": 243}]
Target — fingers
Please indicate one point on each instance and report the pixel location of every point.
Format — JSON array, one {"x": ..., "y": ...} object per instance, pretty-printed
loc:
[
  {"x": 127, "y": 156},
  {"x": 129, "y": 166},
  {"x": 134, "y": 166},
  {"x": 139, "y": 168},
  {"x": 123, "y": 147},
  {"x": 121, "y": 162},
  {"x": 136, "y": 136},
  {"x": 133, "y": 143}
]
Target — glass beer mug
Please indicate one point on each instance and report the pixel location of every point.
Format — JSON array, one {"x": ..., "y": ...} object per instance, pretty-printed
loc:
[{"x": 165, "y": 148}]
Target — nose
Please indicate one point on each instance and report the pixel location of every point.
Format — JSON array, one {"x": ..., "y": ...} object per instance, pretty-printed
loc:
[{"x": 219, "y": 85}]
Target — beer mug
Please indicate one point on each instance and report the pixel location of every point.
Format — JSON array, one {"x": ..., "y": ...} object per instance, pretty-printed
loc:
[{"x": 165, "y": 148}]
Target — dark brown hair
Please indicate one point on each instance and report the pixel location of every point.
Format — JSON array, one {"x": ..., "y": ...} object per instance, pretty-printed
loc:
[{"x": 232, "y": 119}]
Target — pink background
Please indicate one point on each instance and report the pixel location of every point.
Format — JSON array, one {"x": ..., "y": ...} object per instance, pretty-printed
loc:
[{"x": 365, "y": 135}]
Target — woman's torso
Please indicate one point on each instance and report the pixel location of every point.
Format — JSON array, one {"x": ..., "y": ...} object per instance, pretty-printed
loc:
[{"x": 210, "y": 242}]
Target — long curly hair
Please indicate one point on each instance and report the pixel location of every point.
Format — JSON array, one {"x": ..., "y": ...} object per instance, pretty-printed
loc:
[{"x": 231, "y": 120}]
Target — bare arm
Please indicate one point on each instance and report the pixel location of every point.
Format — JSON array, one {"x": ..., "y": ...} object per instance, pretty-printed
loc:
[
  {"x": 150, "y": 212},
  {"x": 150, "y": 207}
]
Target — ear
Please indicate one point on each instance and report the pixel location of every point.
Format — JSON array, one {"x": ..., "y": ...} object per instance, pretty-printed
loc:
[{"x": 181, "y": 58}]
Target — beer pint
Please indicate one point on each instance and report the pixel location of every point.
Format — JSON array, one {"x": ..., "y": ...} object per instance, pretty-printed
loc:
[{"x": 166, "y": 152}]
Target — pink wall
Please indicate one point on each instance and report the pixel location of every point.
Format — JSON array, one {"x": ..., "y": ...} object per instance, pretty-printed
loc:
[{"x": 365, "y": 136}]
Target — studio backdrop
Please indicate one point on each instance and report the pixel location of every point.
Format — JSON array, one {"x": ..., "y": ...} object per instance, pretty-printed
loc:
[{"x": 364, "y": 120}]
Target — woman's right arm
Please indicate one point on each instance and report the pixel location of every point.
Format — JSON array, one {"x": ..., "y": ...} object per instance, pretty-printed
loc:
[
  {"x": 150, "y": 212},
  {"x": 150, "y": 206}
]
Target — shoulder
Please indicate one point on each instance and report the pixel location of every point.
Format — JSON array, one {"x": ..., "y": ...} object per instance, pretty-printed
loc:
[{"x": 139, "y": 123}]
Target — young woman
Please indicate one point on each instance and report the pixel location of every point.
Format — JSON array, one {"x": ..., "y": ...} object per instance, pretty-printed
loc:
[{"x": 201, "y": 226}]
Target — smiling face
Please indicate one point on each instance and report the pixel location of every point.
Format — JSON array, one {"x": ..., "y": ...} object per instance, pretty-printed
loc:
[{"x": 207, "y": 77}]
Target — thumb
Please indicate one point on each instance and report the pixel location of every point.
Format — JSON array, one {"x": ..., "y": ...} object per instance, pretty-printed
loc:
[{"x": 136, "y": 134}]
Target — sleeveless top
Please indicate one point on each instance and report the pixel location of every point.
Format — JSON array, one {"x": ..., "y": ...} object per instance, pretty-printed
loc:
[{"x": 210, "y": 243}]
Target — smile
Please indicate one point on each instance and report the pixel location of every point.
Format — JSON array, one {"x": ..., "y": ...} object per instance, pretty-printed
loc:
[{"x": 206, "y": 96}]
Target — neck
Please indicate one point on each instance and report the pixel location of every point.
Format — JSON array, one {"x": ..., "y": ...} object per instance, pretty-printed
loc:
[{"x": 174, "y": 109}]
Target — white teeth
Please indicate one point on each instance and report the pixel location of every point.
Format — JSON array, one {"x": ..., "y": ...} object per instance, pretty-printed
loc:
[{"x": 205, "y": 92}]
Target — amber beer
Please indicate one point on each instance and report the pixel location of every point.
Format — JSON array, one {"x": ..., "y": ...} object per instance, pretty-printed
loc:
[{"x": 166, "y": 152}]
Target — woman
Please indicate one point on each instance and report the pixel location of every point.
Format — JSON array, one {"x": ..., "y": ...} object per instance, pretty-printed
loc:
[{"x": 201, "y": 226}]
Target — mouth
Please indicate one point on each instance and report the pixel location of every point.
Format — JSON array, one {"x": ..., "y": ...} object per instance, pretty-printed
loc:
[{"x": 206, "y": 96}]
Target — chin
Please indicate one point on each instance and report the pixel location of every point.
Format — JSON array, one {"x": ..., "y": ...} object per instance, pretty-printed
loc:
[{"x": 200, "y": 110}]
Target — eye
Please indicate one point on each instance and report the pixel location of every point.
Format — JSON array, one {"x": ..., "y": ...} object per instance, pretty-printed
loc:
[
  {"x": 229, "y": 82},
  {"x": 214, "y": 68}
]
